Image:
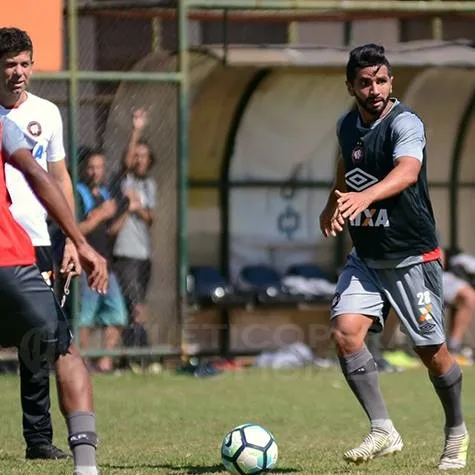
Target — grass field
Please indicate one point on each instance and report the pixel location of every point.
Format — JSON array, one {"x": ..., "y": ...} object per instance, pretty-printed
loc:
[{"x": 170, "y": 424}]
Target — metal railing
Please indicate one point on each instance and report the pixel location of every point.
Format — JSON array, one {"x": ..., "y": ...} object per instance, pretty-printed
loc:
[
  {"x": 180, "y": 77},
  {"x": 74, "y": 76}
]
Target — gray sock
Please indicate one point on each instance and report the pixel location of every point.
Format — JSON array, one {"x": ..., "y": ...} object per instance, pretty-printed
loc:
[
  {"x": 84, "y": 454},
  {"x": 448, "y": 387},
  {"x": 361, "y": 373}
]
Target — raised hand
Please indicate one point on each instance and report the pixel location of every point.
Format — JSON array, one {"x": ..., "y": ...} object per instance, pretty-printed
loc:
[{"x": 140, "y": 119}]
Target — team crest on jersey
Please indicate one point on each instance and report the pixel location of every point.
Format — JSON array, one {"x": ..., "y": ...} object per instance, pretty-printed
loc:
[
  {"x": 34, "y": 128},
  {"x": 357, "y": 154}
]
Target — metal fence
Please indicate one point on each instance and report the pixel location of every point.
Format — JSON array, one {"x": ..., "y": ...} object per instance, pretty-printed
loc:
[
  {"x": 122, "y": 55},
  {"x": 103, "y": 83}
]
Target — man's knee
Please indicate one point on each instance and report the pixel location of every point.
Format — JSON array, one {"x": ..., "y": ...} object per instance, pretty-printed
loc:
[{"x": 348, "y": 332}]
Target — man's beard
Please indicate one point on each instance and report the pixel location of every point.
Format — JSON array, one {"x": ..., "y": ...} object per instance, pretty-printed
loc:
[{"x": 370, "y": 109}]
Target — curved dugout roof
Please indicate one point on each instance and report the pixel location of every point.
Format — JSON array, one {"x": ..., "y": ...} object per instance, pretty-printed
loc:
[
  {"x": 442, "y": 98},
  {"x": 220, "y": 108}
]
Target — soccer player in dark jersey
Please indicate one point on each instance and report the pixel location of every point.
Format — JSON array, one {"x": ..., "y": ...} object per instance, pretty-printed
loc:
[
  {"x": 32, "y": 319},
  {"x": 381, "y": 193}
]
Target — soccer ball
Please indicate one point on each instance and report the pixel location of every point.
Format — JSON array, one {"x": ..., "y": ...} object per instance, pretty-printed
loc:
[{"x": 249, "y": 449}]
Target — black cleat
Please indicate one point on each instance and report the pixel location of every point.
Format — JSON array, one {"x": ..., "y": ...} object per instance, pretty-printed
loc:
[{"x": 45, "y": 452}]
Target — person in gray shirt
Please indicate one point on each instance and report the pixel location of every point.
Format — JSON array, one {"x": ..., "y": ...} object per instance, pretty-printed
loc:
[{"x": 132, "y": 248}]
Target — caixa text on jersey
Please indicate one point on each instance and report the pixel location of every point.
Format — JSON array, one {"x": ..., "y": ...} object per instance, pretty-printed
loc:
[{"x": 372, "y": 217}]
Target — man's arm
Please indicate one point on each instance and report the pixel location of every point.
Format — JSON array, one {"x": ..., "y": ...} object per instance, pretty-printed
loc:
[
  {"x": 409, "y": 142},
  {"x": 402, "y": 176},
  {"x": 331, "y": 221},
  {"x": 145, "y": 215},
  {"x": 339, "y": 182},
  {"x": 139, "y": 122},
  {"x": 102, "y": 213},
  {"x": 91, "y": 222},
  {"x": 59, "y": 171},
  {"x": 55, "y": 203},
  {"x": 145, "y": 210},
  {"x": 48, "y": 193},
  {"x": 118, "y": 223}
]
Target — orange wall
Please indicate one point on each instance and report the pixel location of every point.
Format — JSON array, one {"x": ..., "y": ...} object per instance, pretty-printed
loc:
[{"x": 43, "y": 20}]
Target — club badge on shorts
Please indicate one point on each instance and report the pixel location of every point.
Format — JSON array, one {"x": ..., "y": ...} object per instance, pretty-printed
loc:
[{"x": 357, "y": 154}]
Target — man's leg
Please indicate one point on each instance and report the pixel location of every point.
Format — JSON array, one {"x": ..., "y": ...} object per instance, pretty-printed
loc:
[
  {"x": 113, "y": 316},
  {"x": 461, "y": 297},
  {"x": 89, "y": 304},
  {"x": 35, "y": 389},
  {"x": 76, "y": 404},
  {"x": 42, "y": 333},
  {"x": 374, "y": 342},
  {"x": 416, "y": 295},
  {"x": 35, "y": 403},
  {"x": 356, "y": 307},
  {"x": 446, "y": 376},
  {"x": 461, "y": 318},
  {"x": 359, "y": 367}
]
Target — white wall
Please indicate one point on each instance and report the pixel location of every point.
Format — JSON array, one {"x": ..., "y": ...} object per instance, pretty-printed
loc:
[{"x": 287, "y": 130}]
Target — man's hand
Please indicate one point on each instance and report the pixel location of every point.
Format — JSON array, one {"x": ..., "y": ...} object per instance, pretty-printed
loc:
[
  {"x": 70, "y": 263},
  {"x": 351, "y": 204},
  {"x": 331, "y": 221},
  {"x": 134, "y": 205},
  {"x": 95, "y": 267},
  {"x": 140, "y": 119}
]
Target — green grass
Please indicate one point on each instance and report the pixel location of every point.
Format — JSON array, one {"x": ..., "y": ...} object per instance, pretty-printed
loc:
[{"x": 172, "y": 425}]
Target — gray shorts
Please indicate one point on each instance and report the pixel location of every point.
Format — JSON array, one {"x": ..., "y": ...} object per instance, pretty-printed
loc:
[
  {"x": 414, "y": 292},
  {"x": 452, "y": 286}
]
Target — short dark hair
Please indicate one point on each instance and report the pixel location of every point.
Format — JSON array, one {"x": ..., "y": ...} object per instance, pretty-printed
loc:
[
  {"x": 14, "y": 40},
  {"x": 364, "y": 56}
]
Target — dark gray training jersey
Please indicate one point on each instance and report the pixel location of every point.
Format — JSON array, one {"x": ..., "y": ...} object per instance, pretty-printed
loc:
[{"x": 401, "y": 229}]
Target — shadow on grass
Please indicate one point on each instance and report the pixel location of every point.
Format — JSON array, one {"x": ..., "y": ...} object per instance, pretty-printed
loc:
[{"x": 188, "y": 469}]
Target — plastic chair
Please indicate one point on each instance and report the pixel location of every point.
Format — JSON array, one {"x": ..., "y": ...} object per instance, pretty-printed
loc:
[
  {"x": 208, "y": 287},
  {"x": 265, "y": 284}
]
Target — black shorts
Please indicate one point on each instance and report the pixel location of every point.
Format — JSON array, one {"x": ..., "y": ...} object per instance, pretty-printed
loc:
[
  {"x": 31, "y": 317},
  {"x": 134, "y": 277}
]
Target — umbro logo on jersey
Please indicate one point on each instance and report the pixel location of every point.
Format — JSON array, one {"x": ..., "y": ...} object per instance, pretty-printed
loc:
[
  {"x": 359, "y": 180},
  {"x": 34, "y": 128}
]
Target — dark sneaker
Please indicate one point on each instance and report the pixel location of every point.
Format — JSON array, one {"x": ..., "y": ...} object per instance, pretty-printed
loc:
[{"x": 45, "y": 452}]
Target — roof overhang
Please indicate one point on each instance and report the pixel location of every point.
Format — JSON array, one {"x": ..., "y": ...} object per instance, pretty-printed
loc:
[{"x": 419, "y": 54}]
